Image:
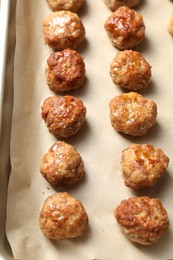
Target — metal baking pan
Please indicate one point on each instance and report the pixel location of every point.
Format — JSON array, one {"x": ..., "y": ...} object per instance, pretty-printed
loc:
[{"x": 108, "y": 245}]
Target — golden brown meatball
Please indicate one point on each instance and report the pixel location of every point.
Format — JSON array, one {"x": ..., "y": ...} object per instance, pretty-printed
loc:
[
  {"x": 63, "y": 29},
  {"x": 62, "y": 165},
  {"x": 115, "y": 4},
  {"x": 143, "y": 220},
  {"x": 130, "y": 70},
  {"x": 65, "y": 70},
  {"x": 143, "y": 165},
  {"x": 132, "y": 114},
  {"x": 64, "y": 116},
  {"x": 62, "y": 217},
  {"x": 125, "y": 28},
  {"x": 67, "y": 5}
]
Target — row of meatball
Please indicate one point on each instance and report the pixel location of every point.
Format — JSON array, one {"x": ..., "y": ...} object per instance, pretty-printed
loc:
[
  {"x": 144, "y": 220},
  {"x": 130, "y": 113},
  {"x": 66, "y": 70},
  {"x": 142, "y": 165},
  {"x": 64, "y": 29},
  {"x": 74, "y": 5},
  {"x": 139, "y": 217},
  {"x": 63, "y": 216}
]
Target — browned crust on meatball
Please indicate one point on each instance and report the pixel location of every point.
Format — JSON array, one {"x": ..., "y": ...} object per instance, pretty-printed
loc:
[
  {"x": 65, "y": 70},
  {"x": 62, "y": 165},
  {"x": 143, "y": 165},
  {"x": 143, "y": 220},
  {"x": 115, "y": 4},
  {"x": 63, "y": 29},
  {"x": 130, "y": 70},
  {"x": 132, "y": 114},
  {"x": 64, "y": 116},
  {"x": 125, "y": 28},
  {"x": 62, "y": 217},
  {"x": 66, "y": 5}
]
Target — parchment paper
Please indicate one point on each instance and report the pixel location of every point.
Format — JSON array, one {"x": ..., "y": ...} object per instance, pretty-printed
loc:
[
  {"x": 7, "y": 43},
  {"x": 98, "y": 143}
]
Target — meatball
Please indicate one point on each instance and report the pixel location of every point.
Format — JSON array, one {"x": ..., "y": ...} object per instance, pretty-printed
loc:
[
  {"x": 130, "y": 70},
  {"x": 67, "y": 5},
  {"x": 62, "y": 165},
  {"x": 143, "y": 165},
  {"x": 63, "y": 29},
  {"x": 132, "y": 114},
  {"x": 65, "y": 70},
  {"x": 125, "y": 28},
  {"x": 62, "y": 217},
  {"x": 115, "y": 4},
  {"x": 64, "y": 116},
  {"x": 143, "y": 220}
]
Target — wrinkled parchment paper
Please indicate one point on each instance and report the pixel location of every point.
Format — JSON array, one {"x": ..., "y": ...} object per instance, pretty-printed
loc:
[
  {"x": 7, "y": 44},
  {"x": 99, "y": 145}
]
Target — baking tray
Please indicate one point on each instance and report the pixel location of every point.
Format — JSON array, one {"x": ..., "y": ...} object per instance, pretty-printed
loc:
[
  {"x": 99, "y": 144},
  {"x": 7, "y": 43},
  {"x": 4, "y": 18}
]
